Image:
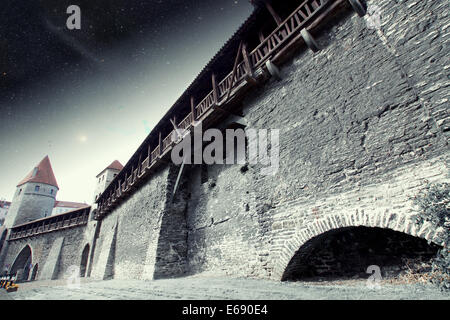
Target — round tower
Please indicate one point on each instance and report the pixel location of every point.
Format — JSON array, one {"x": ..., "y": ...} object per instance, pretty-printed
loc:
[{"x": 34, "y": 197}]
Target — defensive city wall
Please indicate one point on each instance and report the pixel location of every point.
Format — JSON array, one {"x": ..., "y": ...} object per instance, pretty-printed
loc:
[{"x": 362, "y": 109}]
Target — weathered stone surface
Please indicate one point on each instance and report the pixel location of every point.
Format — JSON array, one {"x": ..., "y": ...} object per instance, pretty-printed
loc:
[
  {"x": 364, "y": 125},
  {"x": 54, "y": 252},
  {"x": 50, "y": 269}
]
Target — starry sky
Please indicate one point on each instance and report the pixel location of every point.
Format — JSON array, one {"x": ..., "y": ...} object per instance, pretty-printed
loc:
[{"x": 88, "y": 97}]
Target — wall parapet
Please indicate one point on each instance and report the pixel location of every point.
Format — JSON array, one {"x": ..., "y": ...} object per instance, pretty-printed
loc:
[{"x": 69, "y": 219}]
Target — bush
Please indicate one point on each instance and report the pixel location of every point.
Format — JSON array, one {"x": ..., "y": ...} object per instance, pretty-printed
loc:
[{"x": 433, "y": 203}]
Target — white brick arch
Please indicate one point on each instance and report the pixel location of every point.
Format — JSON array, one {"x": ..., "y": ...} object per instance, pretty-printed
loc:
[{"x": 387, "y": 220}]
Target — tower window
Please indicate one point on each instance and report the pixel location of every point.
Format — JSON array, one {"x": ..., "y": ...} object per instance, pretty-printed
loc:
[
  {"x": 20, "y": 191},
  {"x": 36, "y": 188},
  {"x": 51, "y": 191}
]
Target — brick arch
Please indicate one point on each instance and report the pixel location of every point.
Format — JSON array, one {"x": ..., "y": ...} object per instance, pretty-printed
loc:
[{"x": 388, "y": 220}]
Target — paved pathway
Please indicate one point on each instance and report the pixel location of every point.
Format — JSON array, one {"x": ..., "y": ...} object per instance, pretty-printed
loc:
[{"x": 220, "y": 288}]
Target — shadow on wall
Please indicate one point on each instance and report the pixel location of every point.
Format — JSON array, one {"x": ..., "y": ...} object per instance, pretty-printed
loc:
[
  {"x": 2, "y": 238},
  {"x": 22, "y": 264},
  {"x": 84, "y": 261}
]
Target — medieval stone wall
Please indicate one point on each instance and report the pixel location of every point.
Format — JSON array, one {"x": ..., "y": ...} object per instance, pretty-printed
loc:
[
  {"x": 54, "y": 252},
  {"x": 362, "y": 129},
  {"x": 128, "y": 239}
]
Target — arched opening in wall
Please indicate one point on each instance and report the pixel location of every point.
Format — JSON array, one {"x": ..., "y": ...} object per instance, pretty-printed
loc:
[
  {"x": 22, "y": 264},
  {"x": 34, "y": 272},
  {"x": 84, "y": 261},
  {"x": 346, "y": 253},
  {"x": 3, "y": 238}
]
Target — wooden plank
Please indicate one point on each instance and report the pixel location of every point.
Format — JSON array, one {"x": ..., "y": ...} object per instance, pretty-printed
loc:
[
  {"x": 275, "y": 15},
  {"x": 315, "y": 5},
  {"x": 139, "y": 163},
  {"x": 302, "y": 14},
  {"x": 214, "y": 85},
  {"x": 277, "y": 39},
  {"x": 159, "y": 146},
  {"x": 233, "y": 73},
  {"x": 247, "y": 64},
  {"x": 325, "y": 13},
  {"x": 297, "y": 18},
  {"x": 149, "y": 154},
  {"x": 292, "y": 24},
  {"x": 287, "y": 30},
  {"x": 308, "y": 10},
  {"x": 193, "y": 109}
]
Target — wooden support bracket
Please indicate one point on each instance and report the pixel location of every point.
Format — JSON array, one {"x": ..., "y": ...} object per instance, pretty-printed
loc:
[
  {"x": 275, "y": 15},
  {"x": 193, "y": 110},
  {"x": 233, "y": 74},
  {"x": 248, "y": 67},
  {"x": 214, "y": 86},
  {"x": 159, "y": 146},
  {"x": 358, "y": 7}
]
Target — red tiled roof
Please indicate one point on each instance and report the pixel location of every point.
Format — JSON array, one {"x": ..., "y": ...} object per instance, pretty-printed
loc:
[
  {"x": 69, "y": 204},
  {"x": 44, "y": 174},
  {"x": 115, "y": 165}
]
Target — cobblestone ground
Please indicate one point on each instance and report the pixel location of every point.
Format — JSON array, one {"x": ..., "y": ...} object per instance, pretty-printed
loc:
[{"x": 215, "y": 288}]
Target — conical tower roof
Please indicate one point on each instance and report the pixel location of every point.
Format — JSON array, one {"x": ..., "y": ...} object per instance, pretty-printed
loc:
[
  {"x": 42, "y": 173},
  {"x": 115, "y": 165}
]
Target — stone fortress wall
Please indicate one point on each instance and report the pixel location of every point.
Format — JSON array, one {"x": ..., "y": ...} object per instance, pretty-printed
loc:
[{"x": 364, "y": 126}]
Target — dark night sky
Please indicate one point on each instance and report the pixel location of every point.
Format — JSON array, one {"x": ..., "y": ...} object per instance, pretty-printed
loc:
[{"x": 87, "y": 97}]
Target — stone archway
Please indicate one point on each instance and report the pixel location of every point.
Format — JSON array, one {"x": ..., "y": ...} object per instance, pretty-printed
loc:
[
  {"x": 3, "y": 238},
  {"x": 401, "y": 223},
  {"x": 22, "y": 264},
  {"x": 347, "y": 253},
  {"x": 84, "y": 260}
]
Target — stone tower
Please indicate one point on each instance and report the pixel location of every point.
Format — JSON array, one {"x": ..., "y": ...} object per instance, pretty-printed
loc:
[
  {"x": 105, "y": 177},
  {"x": 35, "y": 195}
]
